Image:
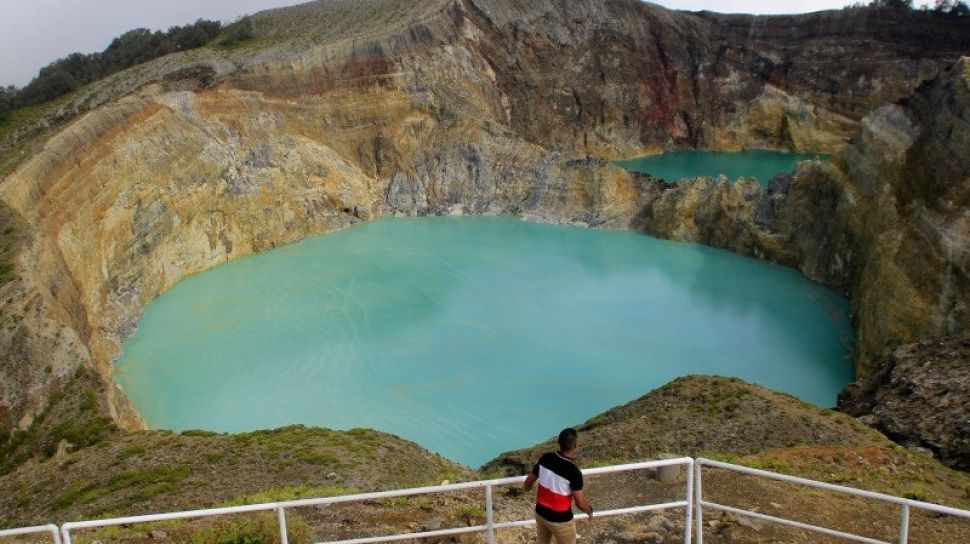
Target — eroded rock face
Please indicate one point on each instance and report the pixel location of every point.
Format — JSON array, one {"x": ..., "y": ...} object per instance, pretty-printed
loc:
[
  {"x": 922, "y": 397},
  {"x": 612, "y": 78},
  {"x": 910, "y": 188},
  {"x": 350, "y": 111},
  {"x": 40, "y": 328},
  {"x": 886, "y": 221}
]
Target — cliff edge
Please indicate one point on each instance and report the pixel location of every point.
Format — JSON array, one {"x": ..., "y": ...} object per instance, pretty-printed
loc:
[{"x": 343, "y": 111}]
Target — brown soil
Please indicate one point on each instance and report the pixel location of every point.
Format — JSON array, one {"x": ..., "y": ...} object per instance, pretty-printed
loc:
[{"x": 156, "y": 471}]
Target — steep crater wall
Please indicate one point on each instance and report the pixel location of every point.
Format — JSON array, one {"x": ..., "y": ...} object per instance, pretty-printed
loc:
[{"x": 471, "y": 107}]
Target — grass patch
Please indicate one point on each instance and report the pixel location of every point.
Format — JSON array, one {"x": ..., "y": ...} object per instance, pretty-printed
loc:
[
  {"x": 131, "y": 451},
  {"x": 317, "y": 458},
  {"x": 145, "y": 484},
  {"x": 74, "y": 408},
  {"x": 722, "y": 457},
  {"x": 770, "y": 463},
  {"x": 198, "y": 432},
  {"x": 28, "y": 114},
  {"x": 364, "y": 434},
  {"x": 21, "y": 131},
  {"x": 471, "y": 515},
  {"x": 127, "y": 533},
  {"x": 259, "y": 529},
  {"x": 6, "y": 271},
  {"x": 596, "y": 421},
  {"x": 81, "y": 432},
  {"x": 8, "y": 245},
  {"x": 213, "y": 457},
  {"x": 290, "y": 493},
  {"x": 916, "y": 493}
]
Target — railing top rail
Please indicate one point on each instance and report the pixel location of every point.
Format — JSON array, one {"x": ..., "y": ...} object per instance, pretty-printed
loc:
[
  {"x": 50, "y": 527},
  {"x": 502, "y": 525},
  {"x": 296, "y": 503},
  {"x": 642, "y": 465},
  {"x": 700, "y": 461}
]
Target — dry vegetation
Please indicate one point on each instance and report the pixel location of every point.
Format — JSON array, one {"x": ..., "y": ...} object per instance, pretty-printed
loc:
[
  {"x": 727, "y": 419},
  {"x": 74, "y": 464},
  {"x": 156, "y": 470},
  {"x": 336, "y": 20},
  {"x": 715, "y": 417}
]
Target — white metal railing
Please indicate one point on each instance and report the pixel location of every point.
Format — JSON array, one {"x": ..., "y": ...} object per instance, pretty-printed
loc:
[
  {"x": 489, "y": 527},
  {"x": 52, "y": 529},
  {"x": 693, "y": 505},
  {"x": 905, "y": 504}
]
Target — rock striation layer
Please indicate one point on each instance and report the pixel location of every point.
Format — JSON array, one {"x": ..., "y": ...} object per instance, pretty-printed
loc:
[
  {"x": 885, "y": 221},
  {"x": 343, "y": 111}
]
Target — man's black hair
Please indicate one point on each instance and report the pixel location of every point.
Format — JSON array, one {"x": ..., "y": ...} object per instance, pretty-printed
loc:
[{"x": 567, "y": 439}]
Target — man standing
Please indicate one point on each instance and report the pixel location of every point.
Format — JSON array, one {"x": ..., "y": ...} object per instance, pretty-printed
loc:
[{"x": 560, "y": 482}]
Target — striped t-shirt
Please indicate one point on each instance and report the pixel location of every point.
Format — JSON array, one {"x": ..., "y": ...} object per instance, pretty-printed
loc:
[{"x": 558, "y": 478}]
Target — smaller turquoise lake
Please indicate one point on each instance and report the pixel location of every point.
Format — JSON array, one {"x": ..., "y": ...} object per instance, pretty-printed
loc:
[
  {"x": 472, "y": 335},
  {"x": 760, "y": 163}
]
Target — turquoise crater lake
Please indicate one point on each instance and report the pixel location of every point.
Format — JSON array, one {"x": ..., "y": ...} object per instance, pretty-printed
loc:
[
  {"x": 763, "y": 164},
  {"x": 472, "y": 335}
]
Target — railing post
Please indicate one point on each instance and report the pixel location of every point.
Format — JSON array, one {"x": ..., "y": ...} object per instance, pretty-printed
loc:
[
  {"x": 54, "y": 531},
  {"x": 489, "y": 519},
  {"x": 281, "y": 516},
  {"x": 698, "y": 509},
  {"x": 688, "y": 518},
  {"x": 693, "y": 517},
  {"x": 904, "y": 525}
]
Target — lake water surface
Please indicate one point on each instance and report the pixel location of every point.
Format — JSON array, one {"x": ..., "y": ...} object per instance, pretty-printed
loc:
[
  {"x": 472, "y": 335},
  {"x": 760, "y": 163}
]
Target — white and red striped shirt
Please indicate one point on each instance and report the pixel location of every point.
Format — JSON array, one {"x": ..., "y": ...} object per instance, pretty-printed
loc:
[{"x": 558, "y": 478}]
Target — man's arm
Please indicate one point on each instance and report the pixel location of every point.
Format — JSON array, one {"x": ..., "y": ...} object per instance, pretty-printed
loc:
[
  {"x": 582, "y": 502},
  {"x": 529, "y": 480}
]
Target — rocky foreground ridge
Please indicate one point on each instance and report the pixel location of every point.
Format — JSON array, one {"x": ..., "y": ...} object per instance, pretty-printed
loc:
[
  {"x": 342, "y": 111},
  {"x": 146, "y": 471}
]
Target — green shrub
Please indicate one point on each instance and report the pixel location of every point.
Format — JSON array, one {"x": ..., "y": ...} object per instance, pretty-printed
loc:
[
  {"x": 131, "y": 451},
  {"x": 317, "y": 458},
  {"x": 239, "y": 32},
  {"x": 596, "y": 421},
  {"x": 213, "y": 457},
  {"x": 770, "y": 463},
  {"x": 135, "y": 478},
  {"x": 198, "y": 432},
  {"x": 88, "y": 401},
  {"x": 916, "y": 493},
  {"x": 82, "y": 433},
  {"x": 144, "y": 484},
  {"x": 134, "y": 47},
  {"x": 289, "y": 493}
]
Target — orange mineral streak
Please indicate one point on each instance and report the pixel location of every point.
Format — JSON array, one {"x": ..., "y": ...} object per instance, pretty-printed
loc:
[{"x": 140, "y": 193}]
